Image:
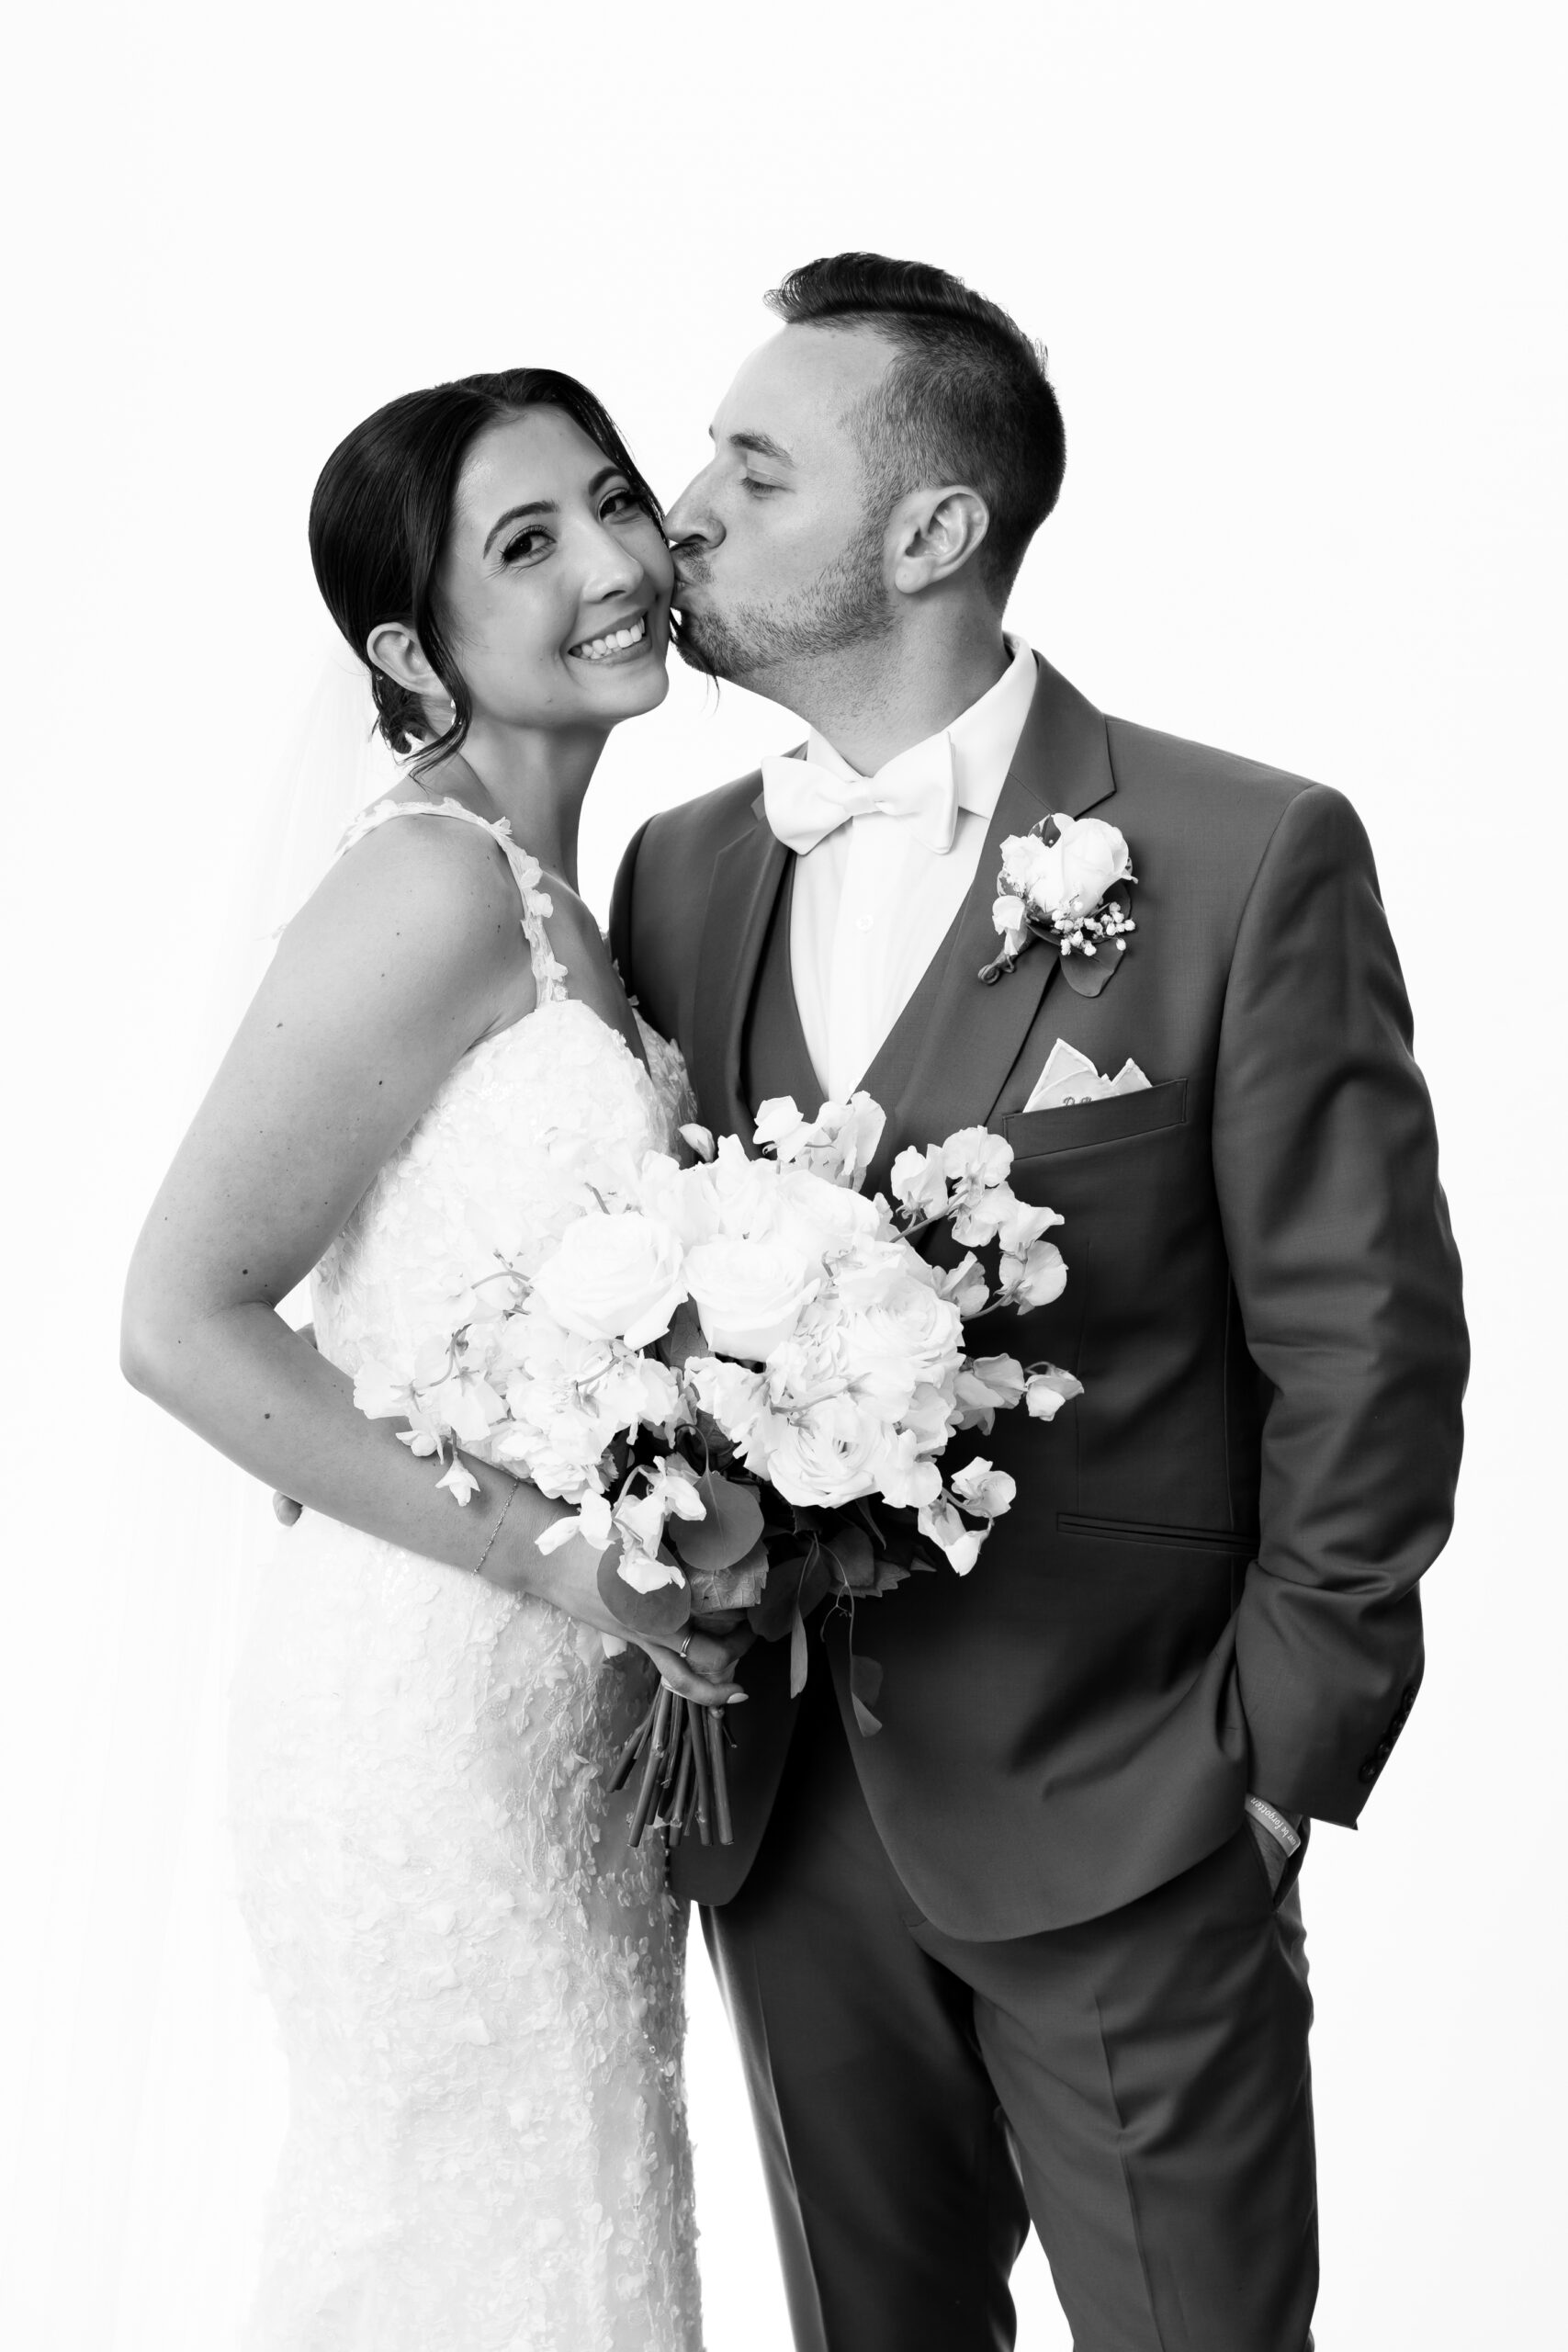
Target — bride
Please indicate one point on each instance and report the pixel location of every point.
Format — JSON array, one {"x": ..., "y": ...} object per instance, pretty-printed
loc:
[{"x": 477, "y": 1979}]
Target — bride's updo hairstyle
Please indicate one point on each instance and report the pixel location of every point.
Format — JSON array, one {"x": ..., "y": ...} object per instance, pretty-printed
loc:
[{"x": 382, "y": 508}]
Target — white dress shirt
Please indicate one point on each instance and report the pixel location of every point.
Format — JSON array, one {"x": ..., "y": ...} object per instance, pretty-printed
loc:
[{"x": 873, "y": 903}]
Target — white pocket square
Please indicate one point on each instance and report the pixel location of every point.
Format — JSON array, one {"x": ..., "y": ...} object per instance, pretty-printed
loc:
[{"x": 1070, "y": 1077}]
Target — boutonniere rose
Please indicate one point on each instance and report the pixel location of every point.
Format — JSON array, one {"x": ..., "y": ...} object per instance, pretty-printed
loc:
[{"x": 1065, "y": 883}]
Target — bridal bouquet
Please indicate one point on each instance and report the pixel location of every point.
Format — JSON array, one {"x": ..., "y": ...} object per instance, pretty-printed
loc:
[{"x": 743, "y": 1376}]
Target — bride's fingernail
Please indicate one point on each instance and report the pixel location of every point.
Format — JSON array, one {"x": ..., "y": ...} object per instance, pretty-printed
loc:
[{"x": 737, "y": 1698}]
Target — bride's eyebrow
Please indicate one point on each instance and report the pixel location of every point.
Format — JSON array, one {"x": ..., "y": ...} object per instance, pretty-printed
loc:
[
  {"x": 516, "y": 514},
  {"x": 543, "y": 507}
]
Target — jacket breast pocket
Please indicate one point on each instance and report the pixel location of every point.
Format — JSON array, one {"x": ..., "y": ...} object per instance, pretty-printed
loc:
[{"x": 1115, "y": 1118}]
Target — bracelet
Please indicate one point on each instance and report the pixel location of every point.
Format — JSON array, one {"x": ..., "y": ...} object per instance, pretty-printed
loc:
[
  {"x": 495, "y": 1530},
  {"x": 1277, "y": 1825}
]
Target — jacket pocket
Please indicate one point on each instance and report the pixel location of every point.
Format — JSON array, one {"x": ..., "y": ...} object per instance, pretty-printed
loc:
[
  {"x": 1112, "y": 1119},
  {"x": 1234, "y": 1541}
]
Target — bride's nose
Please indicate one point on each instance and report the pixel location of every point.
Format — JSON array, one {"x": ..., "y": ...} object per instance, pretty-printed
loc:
[{"x": 613, "y": 568}]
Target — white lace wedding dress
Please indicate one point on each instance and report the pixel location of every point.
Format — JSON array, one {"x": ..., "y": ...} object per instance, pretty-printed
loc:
[{"x": 479, "y": 1982}]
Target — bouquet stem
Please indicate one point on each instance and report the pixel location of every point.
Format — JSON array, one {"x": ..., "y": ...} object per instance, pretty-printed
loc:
[
  {"x": 680, "y": 1745},
  {"x": 698, "y": 1746},
  {"x": 653, "y": 1770}
]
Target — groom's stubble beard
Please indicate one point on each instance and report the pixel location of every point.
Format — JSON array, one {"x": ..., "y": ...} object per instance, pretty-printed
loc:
[{"x": 847, "y": 606}]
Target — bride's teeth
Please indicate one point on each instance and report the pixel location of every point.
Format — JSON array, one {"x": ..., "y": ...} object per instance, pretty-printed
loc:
[{"x": 616, "y": 642}]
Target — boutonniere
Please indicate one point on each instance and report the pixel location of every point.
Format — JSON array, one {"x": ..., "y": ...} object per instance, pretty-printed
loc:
[{"x": 1065, "y": 883}]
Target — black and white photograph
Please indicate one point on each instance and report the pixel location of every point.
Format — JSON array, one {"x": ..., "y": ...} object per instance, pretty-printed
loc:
[{"x": 785, "y": 1317}]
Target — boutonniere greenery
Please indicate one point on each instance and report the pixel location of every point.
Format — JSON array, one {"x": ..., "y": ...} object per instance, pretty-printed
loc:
[{"x": 1065, "y": 883}]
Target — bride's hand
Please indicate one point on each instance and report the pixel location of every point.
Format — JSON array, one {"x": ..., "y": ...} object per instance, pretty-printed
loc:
[{"x": 568, "y": 1579}]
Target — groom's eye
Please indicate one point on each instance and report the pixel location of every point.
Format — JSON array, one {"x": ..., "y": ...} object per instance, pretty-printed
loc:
[{"x": 758, "y": 488}]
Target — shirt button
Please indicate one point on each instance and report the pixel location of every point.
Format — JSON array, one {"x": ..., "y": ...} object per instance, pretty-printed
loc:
[{"x": 862, "y": 922}]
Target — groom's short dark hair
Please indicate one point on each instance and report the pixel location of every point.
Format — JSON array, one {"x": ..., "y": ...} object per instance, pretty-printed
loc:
[{"x": 967, "y": 399}]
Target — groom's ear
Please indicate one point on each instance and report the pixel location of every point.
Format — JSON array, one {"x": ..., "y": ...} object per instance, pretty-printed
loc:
[
  {"x": 393, "y": 646},
  {"x": 933, "y": 534}
]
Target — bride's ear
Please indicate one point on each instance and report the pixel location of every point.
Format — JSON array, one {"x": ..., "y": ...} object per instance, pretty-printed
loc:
[{"x": 393, "y": 648}]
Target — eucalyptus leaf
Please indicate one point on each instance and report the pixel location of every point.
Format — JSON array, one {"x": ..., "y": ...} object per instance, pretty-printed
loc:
[
  {"x": 731, "y": 1530},
  {"x": 770, "y": 1616},
  {"x": 854, "y": 1556},
  {"x": 660, "y": 1614}
]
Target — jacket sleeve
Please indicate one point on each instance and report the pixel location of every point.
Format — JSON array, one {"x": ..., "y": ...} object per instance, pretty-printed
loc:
[
  {"x": 621, "y": 911},
  {"x": 1326, "y": 1163}
]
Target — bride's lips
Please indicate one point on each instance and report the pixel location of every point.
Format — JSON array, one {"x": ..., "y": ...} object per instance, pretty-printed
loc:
[{"x": 624, "y": 640}]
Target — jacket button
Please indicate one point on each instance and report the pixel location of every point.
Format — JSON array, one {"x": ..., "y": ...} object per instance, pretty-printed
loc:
[{"x": 1368, "y": 1771}]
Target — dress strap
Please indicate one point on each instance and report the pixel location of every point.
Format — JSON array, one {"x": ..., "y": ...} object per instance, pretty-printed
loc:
[{"x": 550, "y": 977}]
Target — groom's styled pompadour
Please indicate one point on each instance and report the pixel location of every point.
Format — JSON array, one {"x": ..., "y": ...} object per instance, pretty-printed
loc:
[{"x": 967, "y": 398}]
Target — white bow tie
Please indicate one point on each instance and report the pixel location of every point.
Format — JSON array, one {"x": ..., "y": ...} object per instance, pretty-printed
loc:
[{"x": 804, "y": 802}]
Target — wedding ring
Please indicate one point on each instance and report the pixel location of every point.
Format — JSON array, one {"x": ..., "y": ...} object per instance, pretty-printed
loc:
[{"x": 685, "y": 1646}]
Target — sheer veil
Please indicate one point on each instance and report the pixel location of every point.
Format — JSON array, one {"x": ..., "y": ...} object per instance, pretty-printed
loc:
[
  {"x": 151, "y": 2102},
  {"x": 332, "y": 763}
]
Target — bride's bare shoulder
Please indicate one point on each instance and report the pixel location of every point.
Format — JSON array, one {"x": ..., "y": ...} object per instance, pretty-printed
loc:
[{"x": 425, "y": 892}]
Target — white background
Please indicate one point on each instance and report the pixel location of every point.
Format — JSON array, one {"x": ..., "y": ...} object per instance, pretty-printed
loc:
[{"x": 1295, "y": 270}]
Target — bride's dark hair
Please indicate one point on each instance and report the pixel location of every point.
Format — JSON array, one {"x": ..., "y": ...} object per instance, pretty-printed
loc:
[{"x": 382, "y": 507}]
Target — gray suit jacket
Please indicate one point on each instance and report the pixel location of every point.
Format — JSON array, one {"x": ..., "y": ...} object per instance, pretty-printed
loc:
[{"x": 1207, "y": 1582}]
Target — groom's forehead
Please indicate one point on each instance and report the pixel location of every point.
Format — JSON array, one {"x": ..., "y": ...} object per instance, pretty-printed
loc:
[{"x": 800, "y": 387}]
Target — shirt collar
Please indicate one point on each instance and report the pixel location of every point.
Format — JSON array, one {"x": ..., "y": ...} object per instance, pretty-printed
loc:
[{"x": 984, "y": 737}]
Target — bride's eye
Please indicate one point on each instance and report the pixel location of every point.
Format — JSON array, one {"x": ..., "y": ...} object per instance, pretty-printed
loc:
[
  {"x": 526, "y": 543},
  {"x": 620, "y": 502}
]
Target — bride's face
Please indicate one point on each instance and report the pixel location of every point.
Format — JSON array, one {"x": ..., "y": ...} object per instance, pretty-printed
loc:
[{"x": 555, "y": 583}]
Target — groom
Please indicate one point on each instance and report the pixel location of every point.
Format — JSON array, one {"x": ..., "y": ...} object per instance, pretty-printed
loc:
[{"x": 1034, "y": 1951}]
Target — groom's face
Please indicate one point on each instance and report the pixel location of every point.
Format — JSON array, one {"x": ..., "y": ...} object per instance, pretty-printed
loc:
[{"x": 778, "y": 549}]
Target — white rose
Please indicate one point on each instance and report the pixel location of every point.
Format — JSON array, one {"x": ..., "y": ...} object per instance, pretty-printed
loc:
[
  {"x": 613, "y": 1277},
  {"x": 1093, "y": 856},
  {"x": 894, "y": 1344},
  {"x": 1030, "y": 869},
  {"x": 749, "y": 1295},
  {"x": 809, "y": 1365},
  {"x": 828, "y": 1454}
]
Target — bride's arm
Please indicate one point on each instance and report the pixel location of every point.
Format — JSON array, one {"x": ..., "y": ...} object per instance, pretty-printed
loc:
[{"x": 409, "y": 953}]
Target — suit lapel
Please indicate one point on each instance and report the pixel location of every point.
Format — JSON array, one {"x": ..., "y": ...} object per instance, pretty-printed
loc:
[
  {"x": 747, "y": 876},
  {"x": 956, "y": 1058}
]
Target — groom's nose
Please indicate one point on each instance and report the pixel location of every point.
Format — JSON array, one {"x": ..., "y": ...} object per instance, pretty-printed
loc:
[{"x": 691, "y": 522}]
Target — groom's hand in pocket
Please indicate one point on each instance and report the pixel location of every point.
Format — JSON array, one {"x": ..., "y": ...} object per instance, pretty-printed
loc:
[
  {"x": 1272, "y": 1841},
  {"x": 1269, "y": 1846}
]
